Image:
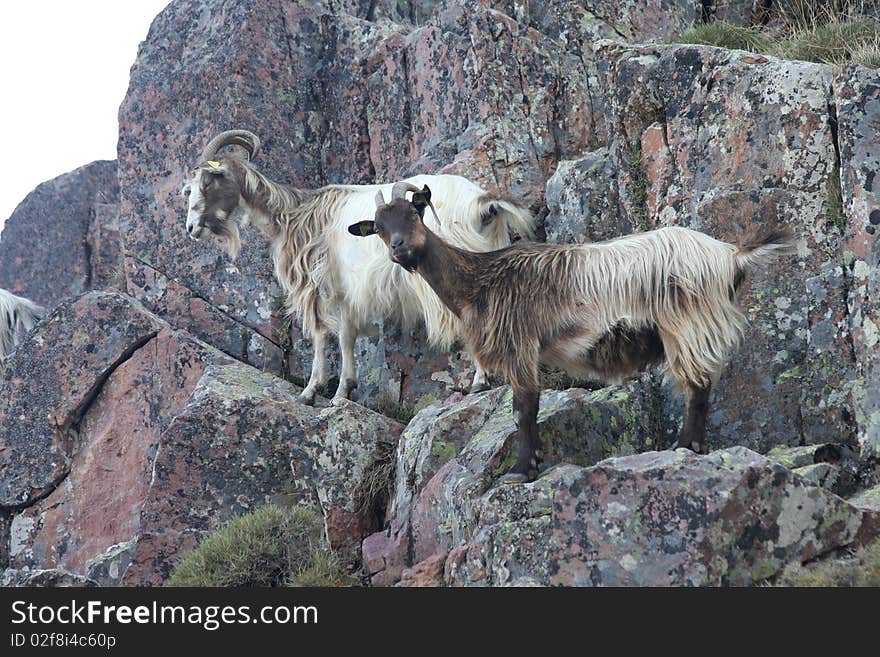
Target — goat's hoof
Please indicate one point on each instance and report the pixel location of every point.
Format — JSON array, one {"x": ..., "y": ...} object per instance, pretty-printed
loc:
[
  {"x": 513, "y": 478},
  {"x": 306, "y": 400},
  {"x": 695, "y": 447}
]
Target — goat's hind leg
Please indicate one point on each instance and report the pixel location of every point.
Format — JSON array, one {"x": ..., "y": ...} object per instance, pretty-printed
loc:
[
  {"x": 529, "y": 455},
  {"x": 318, "y": 376},
  {"x": 693, "y": 429}
]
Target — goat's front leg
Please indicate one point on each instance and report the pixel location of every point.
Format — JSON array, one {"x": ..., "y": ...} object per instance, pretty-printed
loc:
[
  {"x": 693, "y": 429},
  {"x": 481, "y": 381},
  {"x": 529, "y": 454},
  {"x": 348, "y": 373},
  {"x": 318, "y": 376}
]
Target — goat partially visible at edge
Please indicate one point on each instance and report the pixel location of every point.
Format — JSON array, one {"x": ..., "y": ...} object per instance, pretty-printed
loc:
[
  {"x": 17, "y": 316},
  {"x": 336, "y": 283},
  {"x": 603, "y": 311}
]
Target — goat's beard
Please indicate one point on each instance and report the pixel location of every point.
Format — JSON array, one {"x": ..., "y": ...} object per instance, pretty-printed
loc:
[{"x": 408, "y": 262}]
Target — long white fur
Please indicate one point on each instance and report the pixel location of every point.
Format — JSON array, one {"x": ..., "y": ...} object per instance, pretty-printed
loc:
[
  {"x": 17, "y": 316},
  {"x": 374, "y": 285},
  {"x": 680, "y": 280},
  {"x": 351, "y": 280}
]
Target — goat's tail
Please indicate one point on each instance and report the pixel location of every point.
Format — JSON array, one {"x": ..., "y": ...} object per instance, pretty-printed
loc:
[
  {"x": 764, "y": 247},
  {"x": 507, "y": 211}
]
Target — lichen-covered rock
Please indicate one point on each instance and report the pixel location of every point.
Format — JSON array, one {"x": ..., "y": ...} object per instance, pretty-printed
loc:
[
  {"x": 451, "y": 452},
  {"x": 125, "y": 440},
  {"x": 50, "y": 383},
  {"x": 86, "y": 399},
  {"x": 110, "y": 465},
  {"x": 868, "y": 502},
  {"x": 832, "y": 466},
  {"x": 581, "y": 197},
  {"x": 44, "y": 578},
  {"x": 48, "y": 248},
  {"x": 243, "y": 441},
  {"x": 108, "y": 567},
  {"x": 857, "y": 97},
  {"x": 721, "y": 141},
  {"x": 653, "y": 519}
]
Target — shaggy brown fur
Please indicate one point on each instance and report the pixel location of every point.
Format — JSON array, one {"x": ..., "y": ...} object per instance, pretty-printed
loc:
[{"x": 605, "y": 311}]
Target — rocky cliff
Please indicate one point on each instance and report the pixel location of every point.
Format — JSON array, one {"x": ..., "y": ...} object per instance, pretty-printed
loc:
[{"x": 152, "y": 406}]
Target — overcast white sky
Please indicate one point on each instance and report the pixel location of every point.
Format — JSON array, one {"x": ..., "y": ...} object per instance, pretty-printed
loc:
[{"x": 63, "y": 73}]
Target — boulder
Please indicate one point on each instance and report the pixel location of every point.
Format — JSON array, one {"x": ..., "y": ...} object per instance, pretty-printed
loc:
[
  {"x": 451, "y": 452},
  {"x": 244, "y": 441},
  {"x": 126, "y": 440},
  {"x": 670, "y": 518},
  {"x": 832, "y": 466},
  {"x": 724, "y": 141},
  {"x": 52, "y": 380},
  {"x": 857, "y": 100},
  {"x": 85, "y": 402},
  {"x": 45, "y": 578},
  {"x": 582, "y": 201},
  {"x": 868, "y": 502},
  {"x": 62, "y": 239}
]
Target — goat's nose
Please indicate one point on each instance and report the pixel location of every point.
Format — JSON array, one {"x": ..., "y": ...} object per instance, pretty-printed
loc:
[{"x": 396, "y": 243}]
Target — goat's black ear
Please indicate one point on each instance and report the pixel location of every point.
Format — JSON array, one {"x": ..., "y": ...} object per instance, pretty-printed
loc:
[
  {"x": 363, "y": 228},
  {"x": 421, "y": 200}
]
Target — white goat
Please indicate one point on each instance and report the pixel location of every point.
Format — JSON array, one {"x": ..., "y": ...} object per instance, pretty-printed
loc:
[
  {"x": 17, "y": 316},
  {"x": 332, "y": 280}
]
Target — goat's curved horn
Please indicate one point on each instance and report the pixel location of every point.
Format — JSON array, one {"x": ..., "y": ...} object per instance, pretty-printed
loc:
[
  {"x": 244, "y": 138},
  {"x": 401, "y": 188},
  {"x": 380, "y": 200}
]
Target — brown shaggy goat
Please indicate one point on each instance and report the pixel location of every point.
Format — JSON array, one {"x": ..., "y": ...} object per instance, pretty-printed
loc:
[{"x": 605, "y": 310}]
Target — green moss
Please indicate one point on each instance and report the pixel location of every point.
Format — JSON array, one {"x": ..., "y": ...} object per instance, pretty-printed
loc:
[
  {"x": 263, "y": 548},
  {"x": 423, "y": 402},
  {"x": 443, "y": 451},
  {"x": 285, "y": 95},
  {"x": 793, "y": 373},
  {"x": 762, "y": 570},
  {"x": 505, "y": 465}
]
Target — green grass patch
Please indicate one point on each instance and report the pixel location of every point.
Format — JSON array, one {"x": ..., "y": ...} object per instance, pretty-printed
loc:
[
  {"x": 835, "y": 41},
  {"x": 861, "y": 569},
  {"x": 272, "y": 546},
  {"x": 376, "y": 487},
  {"x": 725, "y": 35}
]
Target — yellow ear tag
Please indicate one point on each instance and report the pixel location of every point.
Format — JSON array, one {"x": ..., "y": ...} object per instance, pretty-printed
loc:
[
  {"x": 213, "y": 164},
  {"x": 364, "y": 230}
]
